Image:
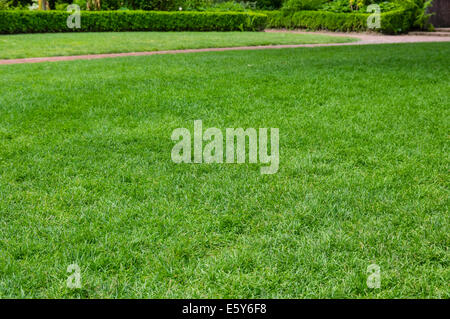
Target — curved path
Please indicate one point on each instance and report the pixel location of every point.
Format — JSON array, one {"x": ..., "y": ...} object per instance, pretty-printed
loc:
[{"x": 364, "y": 38}]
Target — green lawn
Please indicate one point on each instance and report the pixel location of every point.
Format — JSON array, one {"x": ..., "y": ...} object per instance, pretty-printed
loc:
[
  {"x": 86, "y": 175},
  {"x": 56, "y": 44}
]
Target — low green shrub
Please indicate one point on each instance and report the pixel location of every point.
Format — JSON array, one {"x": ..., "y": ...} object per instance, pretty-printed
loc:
[
  {"x": 98, "y": 21},
  {"x": 81, "y": 3},
  {"x": 341, "y": 6},
  {"x": 61, "y": 6},
  {"x": 188, "y": 5},
  {"x": 159, "y": 5},
  {"x": 268, "y": 4},
  {"x": 392, "y": 22},
  {"x": 398, "y": 21},
  {"x": 419, "y": 12},
  {"x": 298, "y": 5},
  {"x": 20, "y": 3},
  {"x": 4, "y": 5},
  {"x": 338, "y": 6},
  {"x": 226, "y": 6}
]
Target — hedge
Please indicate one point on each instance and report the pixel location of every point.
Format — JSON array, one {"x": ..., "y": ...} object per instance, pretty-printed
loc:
[
  {"x": 55, "y": 21},
  {"x": 392, "y": 22}
]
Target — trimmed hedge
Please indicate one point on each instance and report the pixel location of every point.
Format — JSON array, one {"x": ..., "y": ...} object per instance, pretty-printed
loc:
[
  {"x": 55, "y": 21},
  {"x": 96, "y": 21},
  {"x": 392, "y": 22}
]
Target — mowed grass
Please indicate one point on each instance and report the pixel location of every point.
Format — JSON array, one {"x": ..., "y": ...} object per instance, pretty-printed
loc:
[
  {"x": 57, "y": 44},
  {"x": 86, "y": 175}
]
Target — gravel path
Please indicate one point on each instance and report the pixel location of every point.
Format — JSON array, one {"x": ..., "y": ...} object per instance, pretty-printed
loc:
[
  {"x": 364, "y": 38},
  {"x": 373, "y": 38}
]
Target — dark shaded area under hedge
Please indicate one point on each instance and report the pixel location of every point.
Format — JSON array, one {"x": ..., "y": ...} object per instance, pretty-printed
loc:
[{"x": 55, "y": 21}]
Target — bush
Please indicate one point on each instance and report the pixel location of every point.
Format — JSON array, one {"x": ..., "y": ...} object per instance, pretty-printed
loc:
[
  {"x": 20, "y": 3},
  {"x": 159, "y": 5},
  {"x": 55, "y": 21},
  {"x": 81, "y": 3},
  {"x": 61, "y": 6},
  {"x": 398, "y": 21},
  {"x": 391, "y": 22},
  {"x": 317, "y": 20},
  {"x": 339, "y": 6},
  {"x": 4, "y": 5},
  {"x": 15, "y": 4},
  {"x": 268, "y": 4},
  {"x": 227, "y": 6},
  {"x": 230, "y": 5},
  {"x": 298, "y": 5},
  {"x": 419, "y": 12}
]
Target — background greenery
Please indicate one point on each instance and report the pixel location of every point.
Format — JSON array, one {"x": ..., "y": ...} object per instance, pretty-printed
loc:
[
  {"x": 228, "y": 5},
  {"x": 159, "y": 4},
  {"x": 398, "y": 16}
]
